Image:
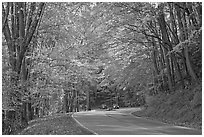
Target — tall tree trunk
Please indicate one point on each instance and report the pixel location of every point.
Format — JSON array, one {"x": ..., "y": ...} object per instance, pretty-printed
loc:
[
  {"x": 155, "y": 53},
  {"x": 166, "y": 43},
  {"x": 175, "y": 40},
  {"x": 184, "y": 36},
  {"x": 154, "y": 58},
  {"x": 186, "y": 52},
  {"x": 162, "y": 61},
  {"x": 181, "y": 32}
]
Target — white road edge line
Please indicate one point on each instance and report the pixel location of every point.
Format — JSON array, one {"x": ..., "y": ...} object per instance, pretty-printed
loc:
[
  {"x": 83, "y": 125},
  {"x": 186, "y": 128}
]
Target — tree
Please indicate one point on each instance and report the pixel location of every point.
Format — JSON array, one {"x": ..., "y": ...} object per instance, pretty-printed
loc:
[{"x": 20, "y": 21}]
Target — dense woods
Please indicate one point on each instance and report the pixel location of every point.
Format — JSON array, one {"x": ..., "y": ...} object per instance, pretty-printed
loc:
[{"x": 68, "y": 57}]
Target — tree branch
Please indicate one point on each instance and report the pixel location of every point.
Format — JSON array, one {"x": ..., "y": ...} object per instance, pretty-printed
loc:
[
  {"x": 21, "y": 20},
  {"x": 29, "y": 18},
  {"x": 5, "y": 14},
  {"x": 29, "y": 36}
]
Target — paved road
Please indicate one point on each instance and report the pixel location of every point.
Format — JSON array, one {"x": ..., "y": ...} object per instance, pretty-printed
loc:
[{"x": 121, "y": 122}]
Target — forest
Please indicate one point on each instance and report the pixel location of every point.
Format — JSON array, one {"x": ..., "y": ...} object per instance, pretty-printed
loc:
[{"x": 73, "y": 56}]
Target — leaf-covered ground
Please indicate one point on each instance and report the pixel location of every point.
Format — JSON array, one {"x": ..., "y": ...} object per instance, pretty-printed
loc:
[{"x": 61, "y": 124}]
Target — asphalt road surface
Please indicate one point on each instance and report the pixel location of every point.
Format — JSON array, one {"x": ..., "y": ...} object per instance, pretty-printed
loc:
[{"x": 121, "y": 122}]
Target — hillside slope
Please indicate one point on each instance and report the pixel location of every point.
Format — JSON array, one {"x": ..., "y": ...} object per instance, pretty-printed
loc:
[{"x": 180, "y": 108}]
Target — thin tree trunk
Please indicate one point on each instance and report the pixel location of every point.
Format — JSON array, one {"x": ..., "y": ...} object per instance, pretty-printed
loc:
[
  {"x": 32, "y": 113},
  {"x": 87, "y": 100},
  {"x": 66, "y": 109},
  {"x": 69, "y": 101},
  {"x": 72, "y": 102},
  {"x": 29, "y": 113},
  {"x": 37, "y": 112},
  {"x": 77, "y": 101},
  {"x": 24, "y": 113}
]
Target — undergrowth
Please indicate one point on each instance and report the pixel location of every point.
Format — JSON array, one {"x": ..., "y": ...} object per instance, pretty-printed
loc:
[{"x": 183, "y": 107}]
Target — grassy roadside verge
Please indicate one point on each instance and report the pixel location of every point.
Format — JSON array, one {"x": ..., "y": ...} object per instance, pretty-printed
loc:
[{"x": 62, "y": 124}]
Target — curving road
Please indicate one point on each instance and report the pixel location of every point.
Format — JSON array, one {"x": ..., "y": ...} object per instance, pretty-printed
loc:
[{"x": 121, "y": 122}]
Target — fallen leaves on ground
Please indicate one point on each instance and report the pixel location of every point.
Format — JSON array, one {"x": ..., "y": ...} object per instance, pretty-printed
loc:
[{"x": 61, "y": 124}]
